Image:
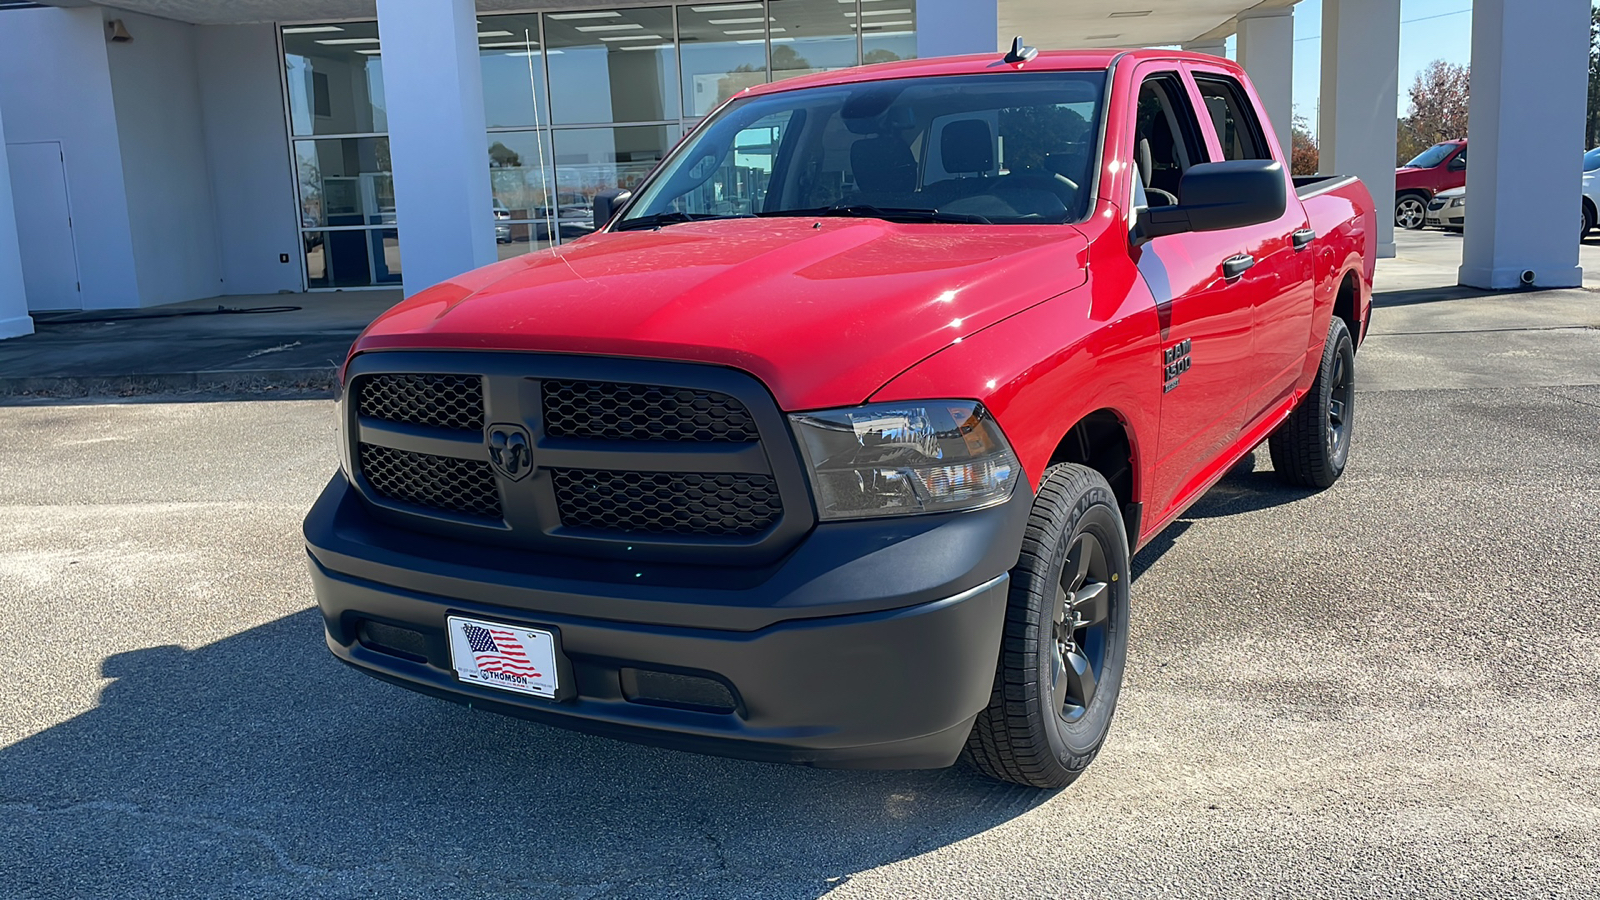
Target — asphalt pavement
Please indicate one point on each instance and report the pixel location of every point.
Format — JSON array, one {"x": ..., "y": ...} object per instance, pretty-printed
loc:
[{"x": 1387, "y": 689}]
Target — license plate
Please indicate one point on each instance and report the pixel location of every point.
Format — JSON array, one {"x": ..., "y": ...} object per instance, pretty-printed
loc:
[{"x": 504, "y": 657}]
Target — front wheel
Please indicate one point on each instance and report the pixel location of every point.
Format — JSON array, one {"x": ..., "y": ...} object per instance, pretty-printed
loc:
[
  {"x": 1066, "y": 637},
  {"x": 1410, "y": 212},
  {"x": 1311, "y": 447},
  {"x": 1588, "y": 219}
]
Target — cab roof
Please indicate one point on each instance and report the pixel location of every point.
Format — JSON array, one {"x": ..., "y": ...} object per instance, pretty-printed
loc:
[{"x": 977, "y": 64}]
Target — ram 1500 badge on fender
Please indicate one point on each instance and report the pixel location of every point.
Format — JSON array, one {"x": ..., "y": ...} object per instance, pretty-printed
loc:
[{"x": 832, "y": 445}]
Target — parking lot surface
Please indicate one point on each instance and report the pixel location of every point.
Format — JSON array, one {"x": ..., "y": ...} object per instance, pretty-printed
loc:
[{"x": 1391, "y": 688}]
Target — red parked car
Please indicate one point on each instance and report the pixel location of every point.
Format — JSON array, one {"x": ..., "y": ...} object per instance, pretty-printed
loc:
[
  {"x": 1438, "y": 168},
  {"x": 833, "y": 445}
]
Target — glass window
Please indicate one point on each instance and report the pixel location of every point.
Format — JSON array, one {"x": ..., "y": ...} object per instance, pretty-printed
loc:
[
  {"x": 1020, "y": 149},
  {"x": 520, "y": 177},
  {"x": 1432, "y": 156},
  {"x": 1166, "y": 141},
  {"x": 817, "y": 35},
  {"x": 724, "y": 51},
  {"x": 613, "y": 66},
  {"x": 590, "y": 160},
  {"x": 335, "y": 78},
  {"x": 345, "y": 181},
  {"x": 888, "y": 30},
  {"x": 1235, "y": 121},
  {"x": 353, "y": 258},
  {"x": 512, "y": 63}
]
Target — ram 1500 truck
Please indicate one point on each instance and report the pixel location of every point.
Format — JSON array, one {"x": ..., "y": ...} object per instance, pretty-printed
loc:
[{"x": 832, "y": 444}]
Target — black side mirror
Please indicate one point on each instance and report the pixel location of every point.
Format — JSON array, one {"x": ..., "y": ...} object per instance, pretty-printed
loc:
[
  {"x": 1218, "y": 196},
  {"x": 1458, "y": 164},
  {"x": 606, "y": 204}
]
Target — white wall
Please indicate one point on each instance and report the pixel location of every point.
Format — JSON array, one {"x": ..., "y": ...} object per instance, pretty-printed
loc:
[
  {"x": 155, "y": 89},
  {"x": 55, "y": 85},
  {"x": 252, "y": 185},
  {"x": 14, "y": 318}
]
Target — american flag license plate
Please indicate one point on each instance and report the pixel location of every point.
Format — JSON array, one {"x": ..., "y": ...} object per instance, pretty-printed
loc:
[{"x": 505, "y": 657}]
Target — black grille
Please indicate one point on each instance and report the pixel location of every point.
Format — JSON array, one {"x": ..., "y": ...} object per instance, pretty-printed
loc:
[
  {"x": 663, "y": 503},
  {"x": 641, "y": 412},
  {"x": 439, "y": 401},
  {"x": 437, "y": 482}
]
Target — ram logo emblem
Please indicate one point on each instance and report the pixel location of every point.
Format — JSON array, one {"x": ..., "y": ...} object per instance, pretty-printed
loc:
[{"x": 510, "y": 450}]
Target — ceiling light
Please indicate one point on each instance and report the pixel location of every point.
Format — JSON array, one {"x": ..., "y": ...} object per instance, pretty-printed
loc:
[
  {"x": 1101, "y": 37},
  {"x": 370, "y": 52},
  {"x": 887, "y": 24},
  {"x": 628, "y": 27},
  {"x": 738, "y": 21},
  {"x": 880, "y": 12},
  {"x": 726, "y": 7},
  {"x": 1131, "y": 14},
  {"x": 311, "y": 29},
  {"x": 523, "y": 44},
  {"x": 590, "y": 15},
  {"x": 648, "y": 47},
  {"x": 632, "y": 37},
  {"x": 749, "y": 30},
  {"x": 336, "y": 41},
  {"x": 484, "y": 34}
]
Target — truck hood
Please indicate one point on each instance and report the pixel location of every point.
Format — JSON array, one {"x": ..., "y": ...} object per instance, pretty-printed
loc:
[{"x": 823, "y": 311}]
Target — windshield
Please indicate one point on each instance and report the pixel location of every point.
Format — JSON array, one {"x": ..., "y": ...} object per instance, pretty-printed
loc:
[
  {"x": 1001, "y": 149},
  {"x": 1432, "y": 156},
  {"x": 1591, "y": 160}
]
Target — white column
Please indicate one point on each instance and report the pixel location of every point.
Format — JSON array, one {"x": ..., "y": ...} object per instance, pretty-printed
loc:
[
  {"x": 1530, "y": 62},
  {"x": 1266, "y": 50},
  {"x": 1218, "y": 47},
  {"x": 955, "y": 27},
  {"x": 437, "y": 143},
  {"x": 14, "y": 318},
  {"x": 1360, "y": 92}
]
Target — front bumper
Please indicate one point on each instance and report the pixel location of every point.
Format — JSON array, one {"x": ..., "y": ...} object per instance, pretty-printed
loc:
[{"x": 871, "y": 644}]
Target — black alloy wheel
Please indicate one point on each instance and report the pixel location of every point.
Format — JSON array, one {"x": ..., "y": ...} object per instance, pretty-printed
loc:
[
  {"x": 1312, "y": 446},
  {"x": 1065, "y": 644}
]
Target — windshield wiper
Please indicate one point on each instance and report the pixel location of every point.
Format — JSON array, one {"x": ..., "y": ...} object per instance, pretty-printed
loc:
[
  {"x": 888, "y": 213},
  {"x": 672, "y": 218}
]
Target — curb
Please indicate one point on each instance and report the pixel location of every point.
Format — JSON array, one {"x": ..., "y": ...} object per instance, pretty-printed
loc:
[{"x": 312, "y": 379}]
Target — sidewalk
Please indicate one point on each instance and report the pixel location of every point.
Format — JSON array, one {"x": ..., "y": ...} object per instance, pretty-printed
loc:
[
  {"x": 1424, "y": 326},
  {"x": 255, "y": 342}
]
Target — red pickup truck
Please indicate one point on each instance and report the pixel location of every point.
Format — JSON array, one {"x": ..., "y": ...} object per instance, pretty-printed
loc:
[
  {"x": 1441, "y": 167},
  {"x": 833, "y": 443}
]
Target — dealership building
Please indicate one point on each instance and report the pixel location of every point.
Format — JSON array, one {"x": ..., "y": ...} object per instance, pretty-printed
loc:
[{"x": 162, "y": 151}]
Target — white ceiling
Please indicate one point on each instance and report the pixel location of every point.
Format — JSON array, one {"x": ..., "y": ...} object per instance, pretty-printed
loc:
[
  {"x": 1047, "y": 24},
  {"x": 1067, "y": 24}
]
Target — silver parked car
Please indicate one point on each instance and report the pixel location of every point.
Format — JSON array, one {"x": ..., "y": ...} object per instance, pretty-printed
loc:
[{"x": 1448, "y": 210}]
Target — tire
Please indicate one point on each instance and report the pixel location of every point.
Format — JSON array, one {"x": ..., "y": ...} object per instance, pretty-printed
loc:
[
  {"x": 1045, "y": 722},
  {"x": 1311, "y": 447},
  {"x": 1410, "y": 212},
  {"x": 1588, "y": 219}
]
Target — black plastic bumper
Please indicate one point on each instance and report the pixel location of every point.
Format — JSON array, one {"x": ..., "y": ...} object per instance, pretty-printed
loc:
[{"x": 885, "y": 665}]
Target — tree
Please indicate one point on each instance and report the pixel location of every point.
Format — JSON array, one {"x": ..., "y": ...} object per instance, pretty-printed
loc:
[
  {"x": 503, "y": 157},
  {"x": 1438, "y": 108},
  {"x": 1591, "y": 134},
  {"x": 1303, "y": 155}
]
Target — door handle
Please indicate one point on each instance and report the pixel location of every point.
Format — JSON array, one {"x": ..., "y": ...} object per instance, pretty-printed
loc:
[
  {"x": 1303, "y": 238},
  {"x": 1235, "y": 266}
]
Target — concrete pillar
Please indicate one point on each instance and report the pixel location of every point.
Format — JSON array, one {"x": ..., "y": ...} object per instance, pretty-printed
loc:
[
  {"x": 14, "y": 318},
  {"x": 1529, "y": 82},
  {"x": 1360, "y": 90},
  {"x": 1218, "y": 47},
  {"x": 1266, "y": 50},
  {"x": 955, "y": 27},
  {"x": 437, "y": 143}
]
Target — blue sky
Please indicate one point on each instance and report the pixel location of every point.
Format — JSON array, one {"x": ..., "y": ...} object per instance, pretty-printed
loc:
[{"x": 1429, "y": 30}]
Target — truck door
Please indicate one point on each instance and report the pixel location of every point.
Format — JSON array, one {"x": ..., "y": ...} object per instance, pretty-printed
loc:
[
  {"x": 1205, "y": 325},
  {"x": 1278, "y": 281}
]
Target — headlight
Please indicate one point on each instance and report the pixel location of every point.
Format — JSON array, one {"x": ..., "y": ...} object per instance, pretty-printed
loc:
[
  {"x": 896, "y": 459},
  {"x": 1458, "y": 201}
]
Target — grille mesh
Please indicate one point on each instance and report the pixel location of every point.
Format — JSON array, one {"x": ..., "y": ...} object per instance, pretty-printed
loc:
[
  {"x": 641, "y": 412},
  {"x": 667, "y": 503},
  {"x": 439, "y": 401},
  {"x": 438, "y": 482}
]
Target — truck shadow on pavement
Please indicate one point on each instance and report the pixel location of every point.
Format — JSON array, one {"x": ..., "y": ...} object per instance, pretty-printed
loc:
[{"x": 258, "y": 766}]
